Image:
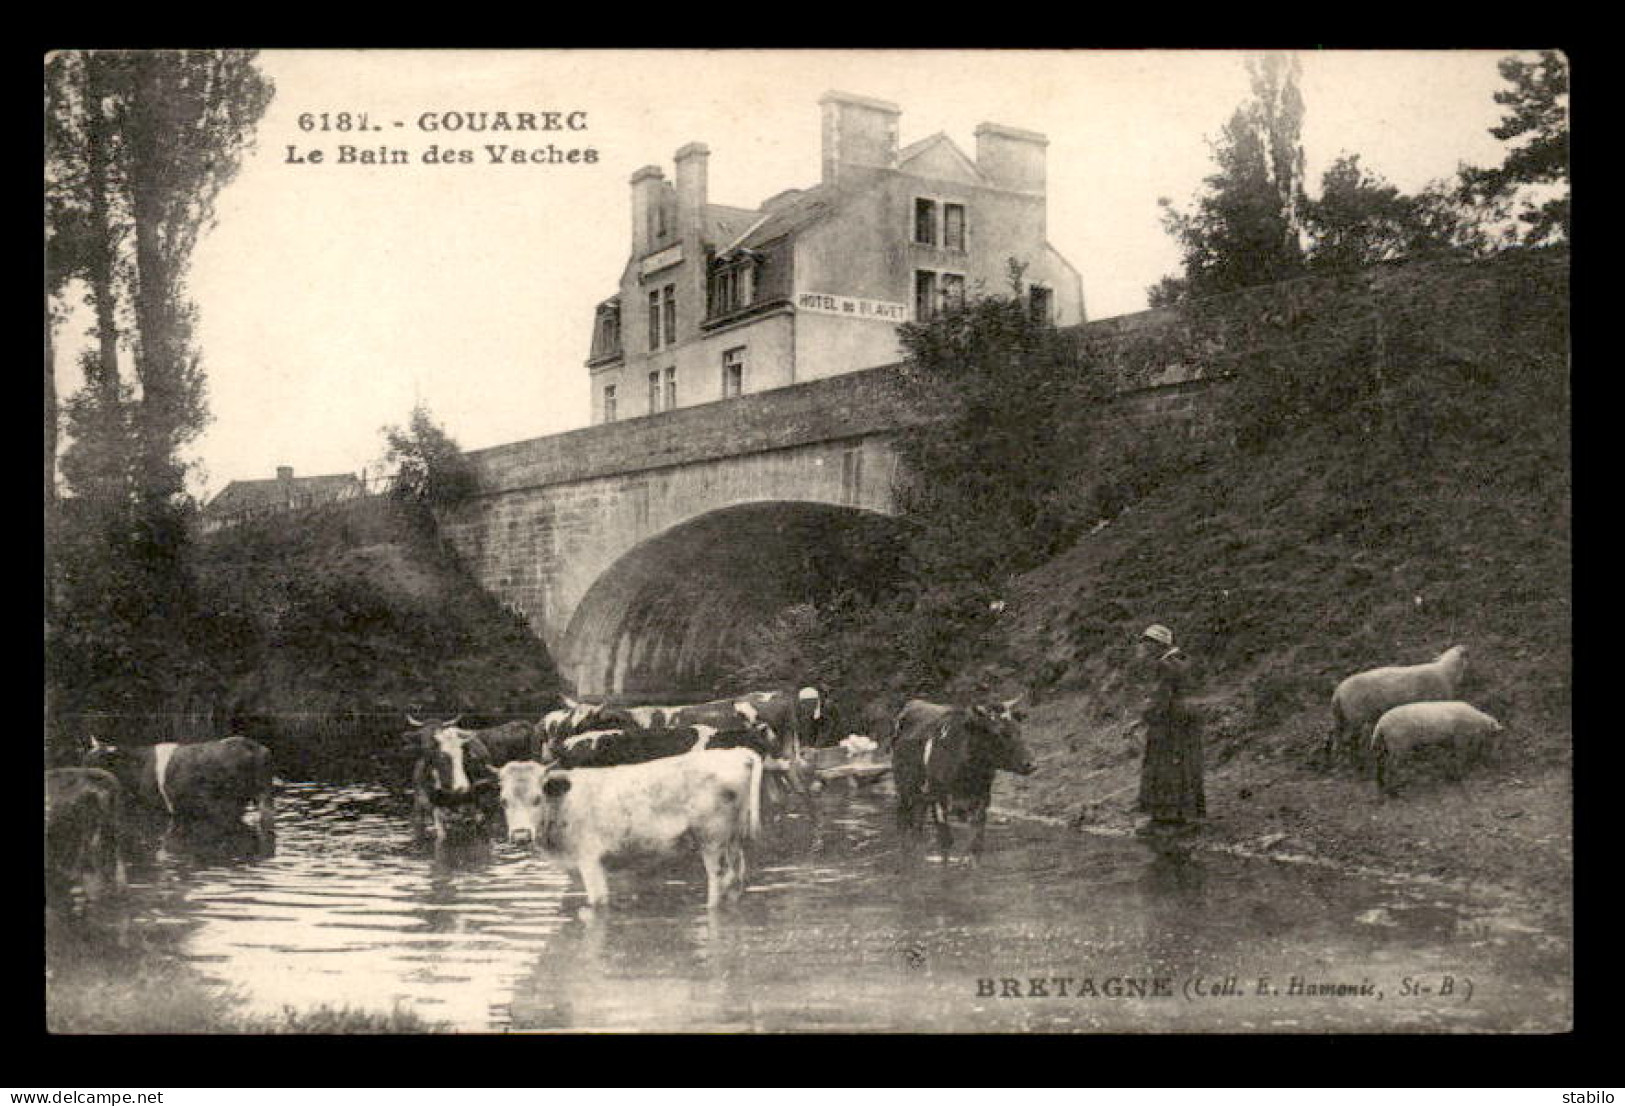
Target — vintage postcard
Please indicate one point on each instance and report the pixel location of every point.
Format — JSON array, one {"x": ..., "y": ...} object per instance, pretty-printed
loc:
[{"x": 931, "y": 541}]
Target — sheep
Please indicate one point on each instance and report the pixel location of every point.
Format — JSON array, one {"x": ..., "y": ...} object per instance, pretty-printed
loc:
[
  {"x": 1464, "y": 733},
  {"x": 1361, "y": 699}
]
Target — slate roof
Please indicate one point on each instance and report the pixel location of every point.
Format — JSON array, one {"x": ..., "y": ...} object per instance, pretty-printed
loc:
[
  {"x": 785, "y": 218},
  {"x": 247, "y": 495},
  {"x": 723, "y": 224}
]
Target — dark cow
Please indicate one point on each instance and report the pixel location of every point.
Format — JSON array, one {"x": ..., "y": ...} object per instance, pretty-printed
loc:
[
  {"x": 610, "y": 748},
  {"x": 81, "y": 833},
  {"x": 207, "y": 782},
  {"x": 944, "y": 759},
  {"x": 454, "y": 773},
  {"x": 711, "y": 798},
  {"x": 572, "y": 718},
  {"x": 613, "y": 747},
  {"x": 510, "y": 741}
]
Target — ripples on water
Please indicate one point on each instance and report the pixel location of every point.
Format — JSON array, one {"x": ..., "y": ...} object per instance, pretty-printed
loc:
[{"x": 837, "y": 932}]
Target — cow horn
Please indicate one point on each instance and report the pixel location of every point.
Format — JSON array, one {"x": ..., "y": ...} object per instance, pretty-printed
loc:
[
  {"x": 410, "y": 721},
  {"x": 1008, "y": 703},
  {"x": 451, "y": 722}
]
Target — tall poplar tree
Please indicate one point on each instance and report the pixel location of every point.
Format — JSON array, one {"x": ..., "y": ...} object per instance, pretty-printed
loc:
[
  {"x": 139, "y": 145},
  {"x": 1247, "y": 224}
]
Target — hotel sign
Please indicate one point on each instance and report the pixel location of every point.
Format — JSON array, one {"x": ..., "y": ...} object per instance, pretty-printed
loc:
[{"x": 852, "y": 307}]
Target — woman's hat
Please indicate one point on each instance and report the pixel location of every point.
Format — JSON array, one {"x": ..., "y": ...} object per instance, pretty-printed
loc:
[{"x": 1160, "y": 633}]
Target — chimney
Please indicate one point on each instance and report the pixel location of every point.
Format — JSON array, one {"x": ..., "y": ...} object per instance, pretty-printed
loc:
[
  {"x": 284, "y": 473},
  {"x": 646, "y": 186},
  {"x": 692, "y": 163},
  {"x": 860, "y": 136},
  {"x": 1012, "y": 159}
]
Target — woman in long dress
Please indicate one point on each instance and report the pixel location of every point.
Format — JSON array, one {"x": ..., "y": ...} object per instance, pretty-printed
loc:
[{"x": 1171, "y": 788}]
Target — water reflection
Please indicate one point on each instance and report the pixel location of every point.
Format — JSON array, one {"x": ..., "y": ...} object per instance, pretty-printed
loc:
[
  {"x": 839, "y": 930},
  {"x": 1174, "y": 904}
]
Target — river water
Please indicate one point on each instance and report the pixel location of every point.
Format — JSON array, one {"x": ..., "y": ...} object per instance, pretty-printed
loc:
[{"x": 841, "y": 931}]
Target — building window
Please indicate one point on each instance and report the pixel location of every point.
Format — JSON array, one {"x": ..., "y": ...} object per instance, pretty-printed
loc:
[
  {"x": 671, "y": 388},
  {"x": 671, "y": 314},
  {"x": 925, "y": 294},
  {"x": 607, "y": 338},
  {"x": 925, "y": 222},
  {"x": 852, "y": 476},
  {"x": 654, "y": 391},
  {"x": 1040, "y": 301},
  {"x": 733, "y": 286},
  {"x": 953, "y": 290},
  {"x": 609, "y": 403},
  {"x": 953, "y": 226},
  {"x": 654, "y": 319},
  {"x": 733, "y": 373}
]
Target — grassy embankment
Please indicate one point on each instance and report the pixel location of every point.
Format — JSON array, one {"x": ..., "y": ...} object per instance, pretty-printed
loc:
[
  {"x": 1331, "y": 549},
  {"x": 349, "y": 617}
]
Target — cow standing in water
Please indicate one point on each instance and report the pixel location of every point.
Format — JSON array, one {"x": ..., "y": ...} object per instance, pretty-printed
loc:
[
  {"x": 944, "y": 760},
  {"x": 454, "y": 771},
  {"x": 204, "y": 784},
  {"x": 81, "y": 833},
  {"x": 580, "y": 816}
]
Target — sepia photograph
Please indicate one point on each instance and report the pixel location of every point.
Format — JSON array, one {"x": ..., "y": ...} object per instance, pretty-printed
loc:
[{"x": 807, "y": 542}]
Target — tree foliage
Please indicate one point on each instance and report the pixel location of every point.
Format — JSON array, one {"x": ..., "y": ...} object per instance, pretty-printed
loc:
[
  {"x": 138, "y": 146},
  {"x": 430, "y": 469},
  {"x": 1247, "y": 224},
  {"x": 1254, "y": 224},
  {"x": 1359, "y": 219},
  {"x": 1538, "y": 112},
  {"x": 986, "y": 475},
  {"x": 984, "y": 479}
]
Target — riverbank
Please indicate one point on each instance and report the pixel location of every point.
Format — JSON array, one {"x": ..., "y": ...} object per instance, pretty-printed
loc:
[{"x": 1505, "y": 829}]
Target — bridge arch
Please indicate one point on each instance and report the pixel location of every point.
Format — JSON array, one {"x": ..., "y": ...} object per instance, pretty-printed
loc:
[{"x": 670, "y": 615}]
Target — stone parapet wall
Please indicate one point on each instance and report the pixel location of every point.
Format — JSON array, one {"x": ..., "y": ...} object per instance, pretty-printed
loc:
[{"x": 854, "y": 405}]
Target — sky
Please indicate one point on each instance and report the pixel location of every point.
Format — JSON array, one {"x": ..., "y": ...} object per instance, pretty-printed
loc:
[{"x": 333, "y": 297}]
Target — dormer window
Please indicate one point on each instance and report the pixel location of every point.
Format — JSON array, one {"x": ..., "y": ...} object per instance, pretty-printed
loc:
[
  {"x": 733, "y": 286},
  {"x": 606, "y": 337}
]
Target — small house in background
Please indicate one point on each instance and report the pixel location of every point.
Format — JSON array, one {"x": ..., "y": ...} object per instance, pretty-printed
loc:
[{"x": 242, "y": 500}]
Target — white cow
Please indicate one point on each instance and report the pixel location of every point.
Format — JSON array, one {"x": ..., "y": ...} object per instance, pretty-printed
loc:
[{"x": 582, "y": 815}]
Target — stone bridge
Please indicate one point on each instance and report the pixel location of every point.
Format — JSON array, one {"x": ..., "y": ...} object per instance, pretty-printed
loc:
[{"x": 641, "y": 551}]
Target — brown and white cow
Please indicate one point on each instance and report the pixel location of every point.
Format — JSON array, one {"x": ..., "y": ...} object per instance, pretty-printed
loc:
[
  {"x": 207, "y": 782},
  {"x": 581, "y": 816},
  {"x": 82, "y": 832},
  {"x": 944, "y": 759},
  {"x": 454, "y": 770}
]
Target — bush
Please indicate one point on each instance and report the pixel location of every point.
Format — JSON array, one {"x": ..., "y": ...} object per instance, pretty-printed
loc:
[{"x": 430, "y": 469}]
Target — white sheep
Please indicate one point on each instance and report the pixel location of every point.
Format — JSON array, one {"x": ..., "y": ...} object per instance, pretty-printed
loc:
[
  {"x": 1463, "y": 733},
  {"x": 1361, "y": 699}
]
